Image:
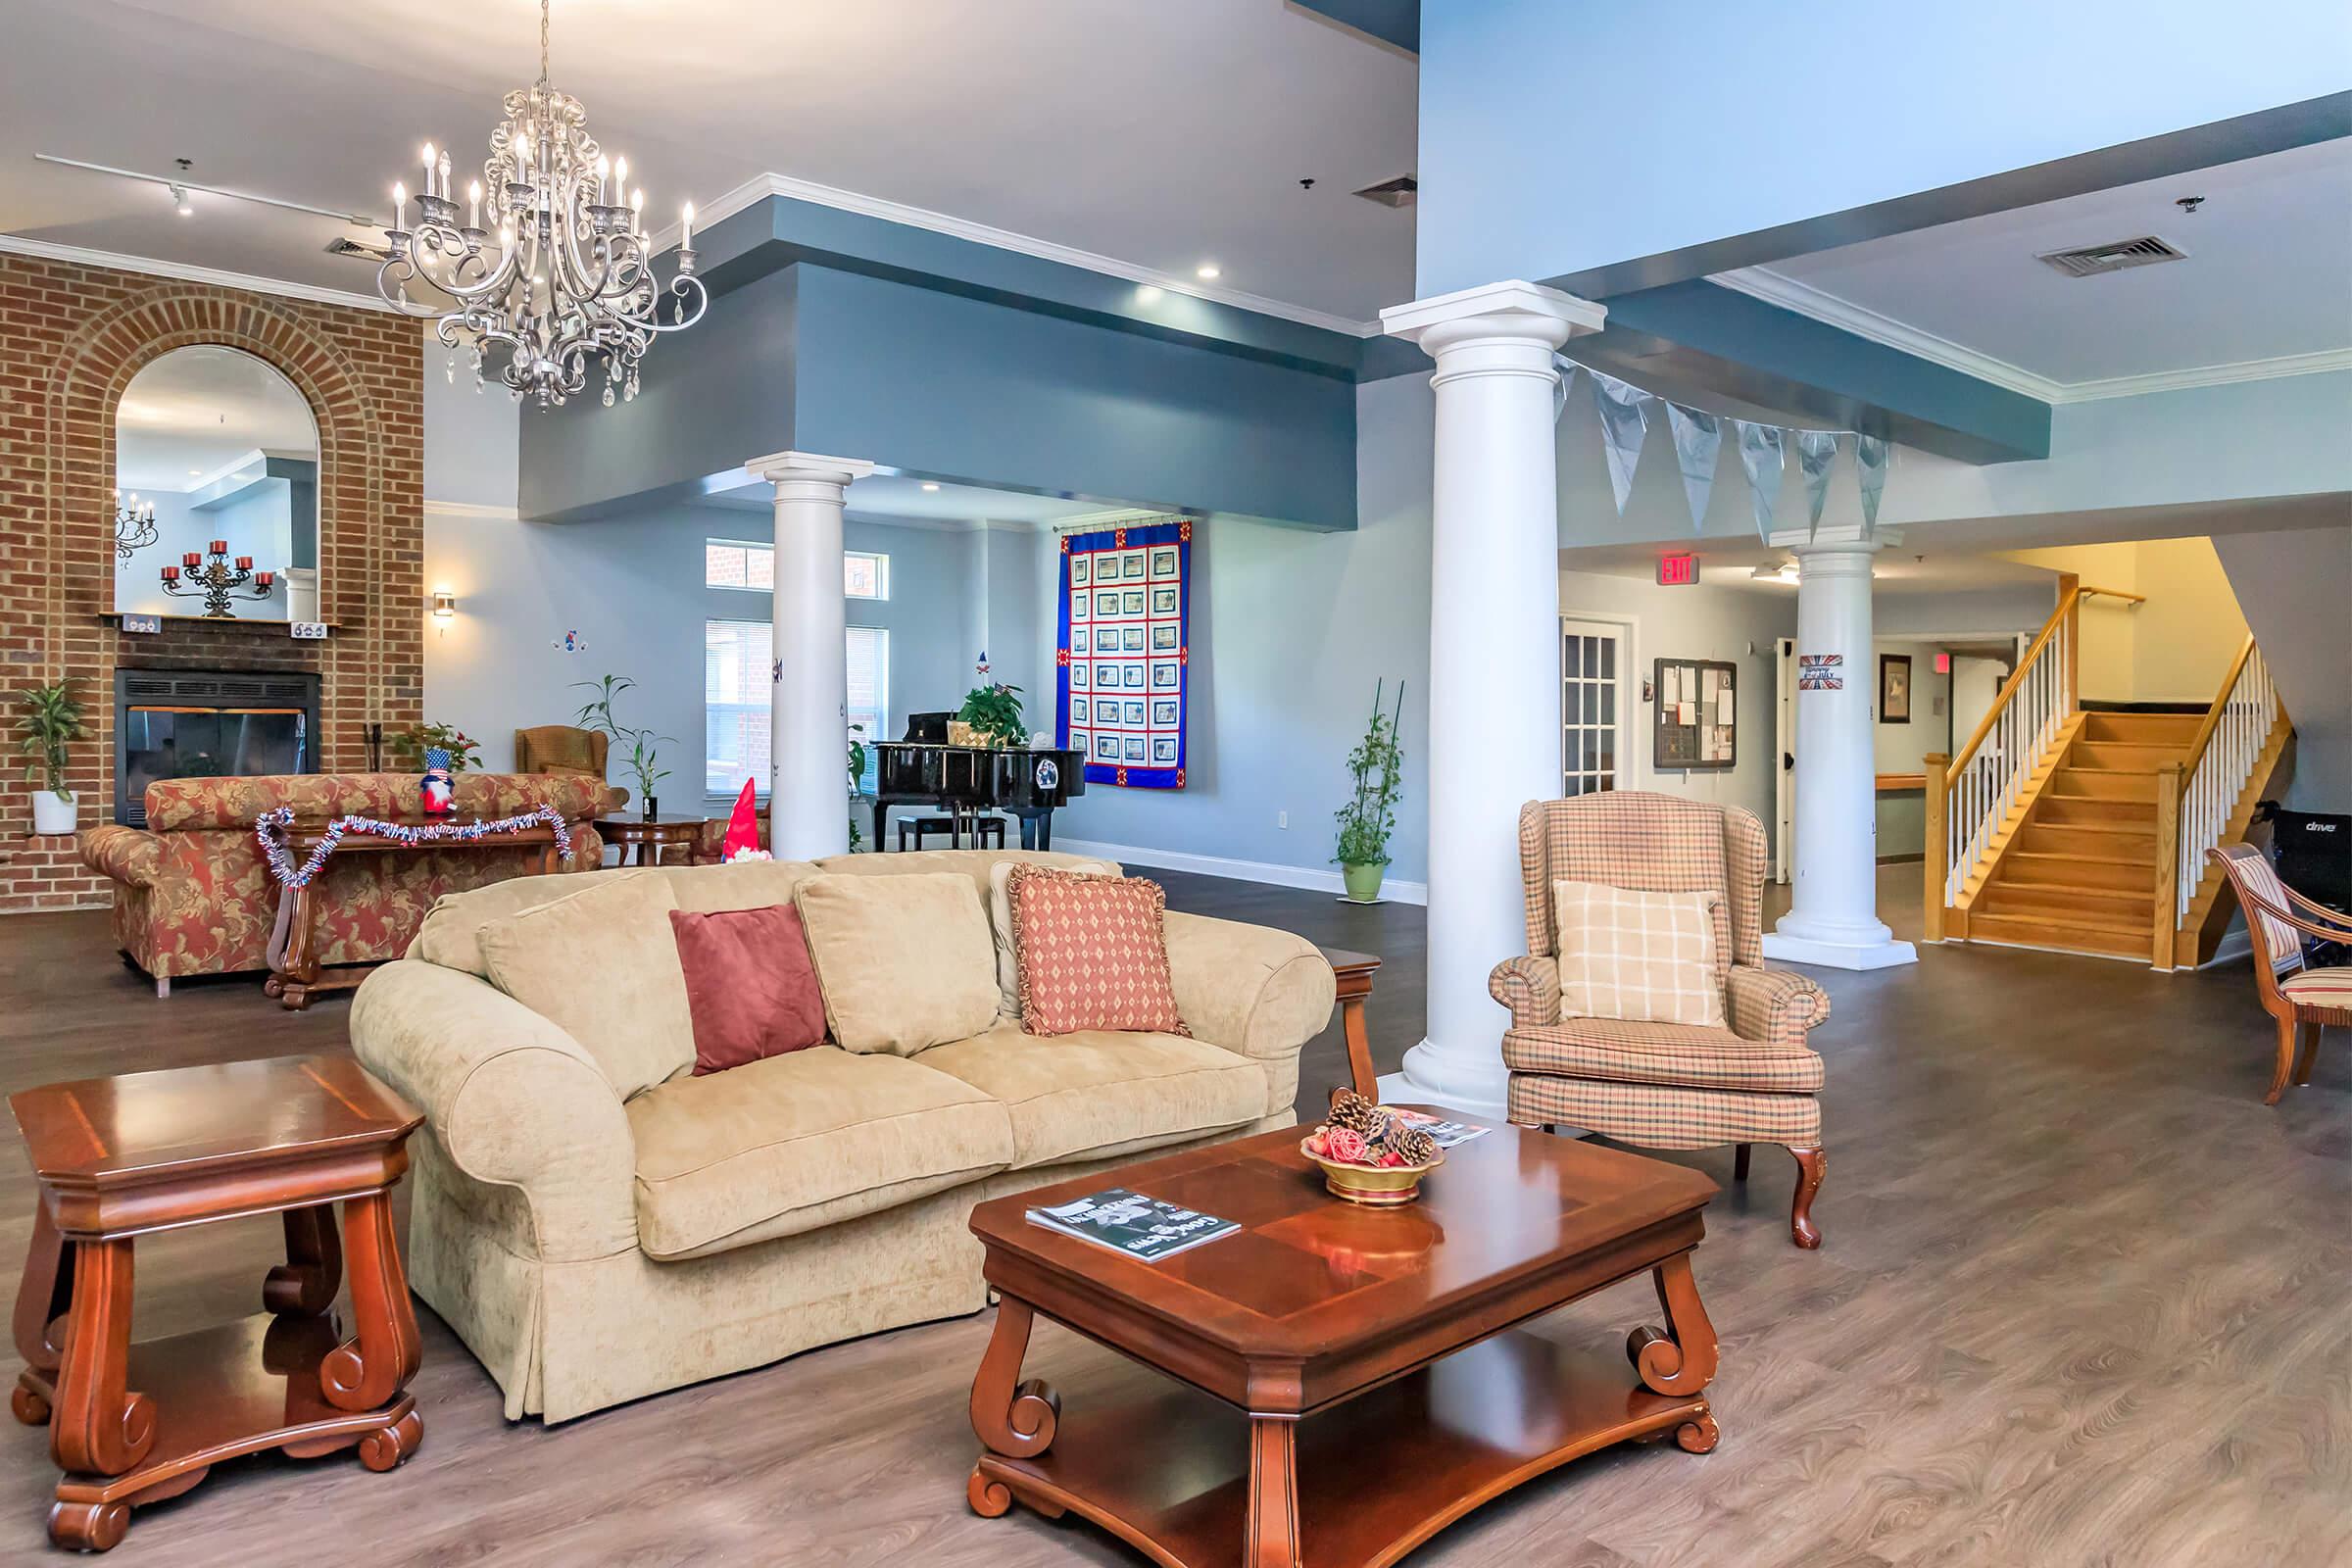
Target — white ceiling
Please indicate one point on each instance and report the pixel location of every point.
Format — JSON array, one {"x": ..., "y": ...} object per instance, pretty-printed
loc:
[
  {"x": 1163, "y": 136},
  {"x": 2267, "y": 279},
  {"x": 197, "y": 410}
]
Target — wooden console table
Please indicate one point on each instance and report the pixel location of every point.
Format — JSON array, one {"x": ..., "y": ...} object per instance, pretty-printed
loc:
[
  {"x": 295, "y": 974},
  {"x": 1354, "y": 971},
  {"x": 118, "y": 1157}
]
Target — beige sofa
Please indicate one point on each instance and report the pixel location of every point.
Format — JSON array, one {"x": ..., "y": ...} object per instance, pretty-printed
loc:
[{"x": 591, "y": 1250}]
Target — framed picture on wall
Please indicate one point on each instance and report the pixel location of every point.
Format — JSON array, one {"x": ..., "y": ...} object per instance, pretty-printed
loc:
[{"x": 1895, "y": 688}]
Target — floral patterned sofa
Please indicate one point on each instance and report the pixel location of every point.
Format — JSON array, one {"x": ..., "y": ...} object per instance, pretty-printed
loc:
[{"x": 194, "y": 897}]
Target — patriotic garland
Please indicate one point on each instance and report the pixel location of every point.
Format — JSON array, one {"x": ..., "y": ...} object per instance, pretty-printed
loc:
[{"x": 269, "y": 828}]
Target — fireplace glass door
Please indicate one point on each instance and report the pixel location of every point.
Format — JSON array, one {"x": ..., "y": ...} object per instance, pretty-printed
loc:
[{"x": 212, "y": 743}]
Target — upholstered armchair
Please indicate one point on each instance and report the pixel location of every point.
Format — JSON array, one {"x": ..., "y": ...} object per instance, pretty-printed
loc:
[
  {"x": 1665, "y": 1085},
  {"x": 562, "y": 748},
  {"x": 2303, "y": 1000}
]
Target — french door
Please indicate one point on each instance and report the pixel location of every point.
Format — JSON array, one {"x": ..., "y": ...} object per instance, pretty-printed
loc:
[{"x": 1595, "y": 706}]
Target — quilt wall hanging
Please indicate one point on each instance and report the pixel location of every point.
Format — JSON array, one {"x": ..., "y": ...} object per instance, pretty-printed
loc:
[{"x": 1123, "y": 678}]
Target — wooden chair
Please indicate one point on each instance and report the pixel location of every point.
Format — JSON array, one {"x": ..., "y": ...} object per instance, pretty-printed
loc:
[
  {"x": 563, "y": 748},
  {"x": 1665, "y": 1085},
  {"x": 2302, "y": 999}
]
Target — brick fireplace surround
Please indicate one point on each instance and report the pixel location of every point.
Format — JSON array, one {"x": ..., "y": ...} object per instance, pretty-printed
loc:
[{"x": 71, "y": 339}]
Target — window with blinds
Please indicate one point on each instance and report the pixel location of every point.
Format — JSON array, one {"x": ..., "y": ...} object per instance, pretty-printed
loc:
[
  {"x": 736, "y": 664},
  {"x": 737, "y": 564}
]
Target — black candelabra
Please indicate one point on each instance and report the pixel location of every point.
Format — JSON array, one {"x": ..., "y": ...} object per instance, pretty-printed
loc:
[{"x": 216, "y": 579}]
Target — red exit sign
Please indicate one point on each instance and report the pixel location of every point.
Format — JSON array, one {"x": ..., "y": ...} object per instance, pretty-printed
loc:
[{"x": 1676, "y": 572}]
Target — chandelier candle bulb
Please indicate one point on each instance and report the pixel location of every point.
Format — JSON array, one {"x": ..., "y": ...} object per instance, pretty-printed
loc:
[
  {"x": 686, "y": 233},
  {"x": 428, "y": 168},
  {"x": 400, "y": 206},
  {"x": 474, "y": 199}
]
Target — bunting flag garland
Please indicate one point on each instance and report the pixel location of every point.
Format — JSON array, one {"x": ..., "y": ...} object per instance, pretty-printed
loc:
[
  {"x": 1870, "y": 457},
  {"x": 1816, "y": 453},
  {"x": 1698, "y": 441},
  {"x": 1625, "y": 419},
  {"x": 1763, "y": 456},
  {"x": 1624, "y": 422},
  {"x": 269, "y": 828}
]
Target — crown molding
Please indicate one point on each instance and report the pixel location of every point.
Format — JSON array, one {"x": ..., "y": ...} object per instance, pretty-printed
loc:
[
  {"x": 1792, "y": 294},
  {"x": 471, "y": 509},
  {"x": 761, "y": 186},
  {"x": 78, "y": 256}
]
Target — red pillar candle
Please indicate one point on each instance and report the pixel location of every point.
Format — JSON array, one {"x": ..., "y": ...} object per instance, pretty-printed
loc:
[
  {"x": 244, "y": 563},
  {"x": 171, "y": 574},
  {"x": 266, "y": 580},
  {"x": 220, "y": 547},
  {"x": 191, "y": 561}
]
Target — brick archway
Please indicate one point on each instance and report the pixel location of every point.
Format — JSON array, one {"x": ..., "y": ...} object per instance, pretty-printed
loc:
[{"x": 84, "y": 334}]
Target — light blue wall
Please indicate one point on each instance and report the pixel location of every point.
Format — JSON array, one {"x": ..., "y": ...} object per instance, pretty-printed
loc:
[
  {"x": 1559, "y": 138},
  {"x": 1290, "y": 630}
]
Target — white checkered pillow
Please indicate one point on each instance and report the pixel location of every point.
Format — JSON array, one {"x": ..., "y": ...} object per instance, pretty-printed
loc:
[{"x": 1645, "y": 957}]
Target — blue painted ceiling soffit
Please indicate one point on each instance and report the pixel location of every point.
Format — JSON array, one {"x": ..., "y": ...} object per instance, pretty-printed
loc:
[
  {"x": 1391, "y": 22},
  {"x": 1730, "y": 353},
  {"x": 777, "y": 231}
]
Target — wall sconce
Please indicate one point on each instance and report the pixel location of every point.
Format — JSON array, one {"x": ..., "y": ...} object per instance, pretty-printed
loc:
[{"x": 445, "y": 609}]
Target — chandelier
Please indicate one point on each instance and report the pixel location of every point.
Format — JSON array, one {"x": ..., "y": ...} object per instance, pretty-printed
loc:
[
  {"x": 134, "y": 524},
  {"x": 561, "y": 277}
]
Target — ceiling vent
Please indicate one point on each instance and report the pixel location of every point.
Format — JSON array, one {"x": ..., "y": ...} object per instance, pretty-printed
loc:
[
  {"x": 1397, "y": 192},
  {"x": 341, "y": 246},
  {"x": 2089, "y": 259}
]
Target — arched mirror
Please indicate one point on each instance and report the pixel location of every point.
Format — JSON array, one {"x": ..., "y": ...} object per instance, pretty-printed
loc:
[{"x": 216, "y": 491}]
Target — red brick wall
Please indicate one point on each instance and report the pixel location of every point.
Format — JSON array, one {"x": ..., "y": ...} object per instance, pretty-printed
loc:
[{"x": 71, "y": 339}]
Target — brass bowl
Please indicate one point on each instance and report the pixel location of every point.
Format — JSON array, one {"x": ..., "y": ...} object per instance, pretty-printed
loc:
[{"x": 1373, "y": 1186}]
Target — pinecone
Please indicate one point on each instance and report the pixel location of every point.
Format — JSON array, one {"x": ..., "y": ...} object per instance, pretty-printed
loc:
[
  {"x": 1352, "y": 1110},
  {"x": 1414, "y": 1145}
]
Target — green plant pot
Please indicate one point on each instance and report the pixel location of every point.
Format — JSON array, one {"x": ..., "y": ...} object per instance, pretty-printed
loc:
[{"x": 1363, "y": 881}]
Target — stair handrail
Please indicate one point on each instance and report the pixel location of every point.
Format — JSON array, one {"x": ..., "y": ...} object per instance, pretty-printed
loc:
[
  {"x": 2033, "y": 704},
  {"x": 2218, "y": 763}
]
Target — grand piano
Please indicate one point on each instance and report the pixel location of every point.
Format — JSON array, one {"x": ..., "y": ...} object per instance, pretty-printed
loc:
[{"x": 923, "y": 769}]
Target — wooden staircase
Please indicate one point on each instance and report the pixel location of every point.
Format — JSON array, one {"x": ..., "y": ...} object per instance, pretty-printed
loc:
[
  {"x": 2080, "y": 871},
  {"x": 2084, "y": 829}
]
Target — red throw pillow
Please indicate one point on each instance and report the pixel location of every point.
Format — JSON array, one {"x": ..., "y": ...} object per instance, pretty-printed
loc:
[
  {"x": 1091, "y": 953},
  {"x": 750, "y": 984}
]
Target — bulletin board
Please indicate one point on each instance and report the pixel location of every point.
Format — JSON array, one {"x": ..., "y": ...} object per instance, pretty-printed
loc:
[{"x": 1697, "y": 714}]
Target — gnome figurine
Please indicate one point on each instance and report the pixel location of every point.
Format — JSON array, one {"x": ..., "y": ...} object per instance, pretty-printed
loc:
[
  {"x": 743, "y": 831},
  {"x": 437, "y": 791}
]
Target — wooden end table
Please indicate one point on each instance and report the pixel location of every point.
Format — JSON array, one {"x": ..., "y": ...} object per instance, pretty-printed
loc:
[
  {"x": 1354, "y": 971},
  {"x": 118, "y": 1157},
  {"x": 295, "y": 973},
  {"x": 1370, "y": 1355},
  {"x": 659, "y": 834}
]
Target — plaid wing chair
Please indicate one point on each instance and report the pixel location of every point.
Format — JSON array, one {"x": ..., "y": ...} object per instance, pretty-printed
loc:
[{"x": 1665, "y": 1085}]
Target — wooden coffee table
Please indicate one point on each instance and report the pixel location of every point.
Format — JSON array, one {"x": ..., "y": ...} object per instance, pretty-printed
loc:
[
  {"x": 118, "y": 1159},
  {"x": 1382, "y": 1387}
]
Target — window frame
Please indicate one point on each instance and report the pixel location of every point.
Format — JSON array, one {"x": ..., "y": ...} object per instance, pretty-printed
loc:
[
  {"x": 880, "y": 712},
  {"x": 880, "y": 559}
]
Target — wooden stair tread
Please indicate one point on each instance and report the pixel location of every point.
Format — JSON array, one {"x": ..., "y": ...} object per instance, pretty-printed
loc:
[{"x": 2043, "y": 856}]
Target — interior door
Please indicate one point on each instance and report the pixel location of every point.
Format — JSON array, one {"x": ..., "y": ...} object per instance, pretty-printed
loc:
[
  {"x": 1595, "y": 705},
  {"x": 1783, "y": 782}
]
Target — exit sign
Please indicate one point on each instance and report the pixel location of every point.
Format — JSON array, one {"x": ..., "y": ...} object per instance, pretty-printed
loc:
[{"x": 1676, "y": 572}]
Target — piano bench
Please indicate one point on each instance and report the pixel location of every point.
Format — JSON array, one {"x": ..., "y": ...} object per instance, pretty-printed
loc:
[{"x": 989, "y": 830}]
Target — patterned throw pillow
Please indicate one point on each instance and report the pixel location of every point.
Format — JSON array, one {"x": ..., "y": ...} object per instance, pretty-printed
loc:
[
  {"x": 1645, "y": 957},
  {"x": 1091, "y": 952}
]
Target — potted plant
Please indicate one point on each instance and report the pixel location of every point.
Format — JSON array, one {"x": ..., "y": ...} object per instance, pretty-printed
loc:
[
  {"x": 993, "y": 710},
  {"x": 411, "y": 744},
  {"x": 1367, "y": 820},
  {"x": 52, "y": 720},
  {"x": 642, "y": 759}
]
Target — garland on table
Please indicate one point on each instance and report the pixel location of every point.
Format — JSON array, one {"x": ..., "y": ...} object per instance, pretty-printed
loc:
[{"x": 269, "y": 828}]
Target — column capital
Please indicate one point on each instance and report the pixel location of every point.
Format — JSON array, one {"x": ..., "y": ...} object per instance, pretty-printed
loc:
[
  {"x": 1839, "y": 537},
  {"x": 779, "y": 466},
  {"x": 1508, "y": 311}
]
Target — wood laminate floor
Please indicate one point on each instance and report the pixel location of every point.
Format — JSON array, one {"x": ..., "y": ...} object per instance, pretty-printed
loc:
[{"x": 2083, "y": 1300}]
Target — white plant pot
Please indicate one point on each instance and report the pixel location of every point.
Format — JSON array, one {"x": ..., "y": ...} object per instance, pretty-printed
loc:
[{"x": 53, "y": 812}]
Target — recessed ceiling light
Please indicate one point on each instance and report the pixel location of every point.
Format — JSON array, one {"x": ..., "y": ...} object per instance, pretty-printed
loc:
[
  {"x": 1208, "y": 271},
  {"x": 1147, "y": 293},
  {"x": 194, "y": 471},
  {"x": 928, "y": 486}
]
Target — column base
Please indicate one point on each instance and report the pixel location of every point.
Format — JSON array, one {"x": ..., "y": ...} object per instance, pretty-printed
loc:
[
  {"x": 1476, "y": 1088},
  {"x": 1881, "y": 953}
]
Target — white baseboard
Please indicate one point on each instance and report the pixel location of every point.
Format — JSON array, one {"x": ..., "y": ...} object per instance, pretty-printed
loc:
[
  {"x": 1282, "y": 876},
  {"x": 2237, "y": 943}
]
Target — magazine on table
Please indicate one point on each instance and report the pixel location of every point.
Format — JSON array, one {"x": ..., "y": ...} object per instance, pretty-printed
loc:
[
  {"x": 1445, "y": 1134},
  {"x": 1140, "y": 1227}
]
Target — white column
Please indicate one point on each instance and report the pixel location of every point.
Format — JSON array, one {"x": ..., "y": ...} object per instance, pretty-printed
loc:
[
  {"x": 1495, "y": 658},
  {"x": 1833, "y": 918},
  {"x": 808, "y": 808}
]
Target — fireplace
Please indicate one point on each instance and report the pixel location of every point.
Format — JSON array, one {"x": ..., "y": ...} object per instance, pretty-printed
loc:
[{"x": 208, "y": 723}]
